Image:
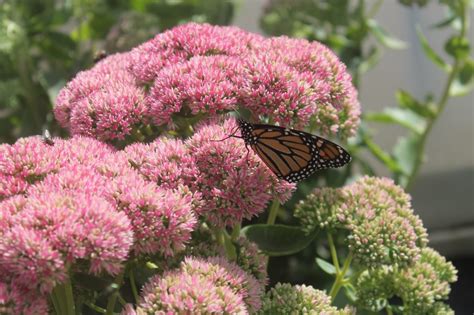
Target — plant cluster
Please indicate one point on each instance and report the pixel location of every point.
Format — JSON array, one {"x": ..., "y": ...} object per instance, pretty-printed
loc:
[{"x": 141, "y": 210}]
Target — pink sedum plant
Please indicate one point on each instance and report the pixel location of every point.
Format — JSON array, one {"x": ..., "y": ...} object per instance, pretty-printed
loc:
[
  {"x": 196, "y": 70},
  {"x": 234, "y": 183},
  {"x": 151, "y": 191}
]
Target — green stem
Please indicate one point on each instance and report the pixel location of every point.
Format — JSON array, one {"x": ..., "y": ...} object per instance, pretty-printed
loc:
[
  {"x": 273, "y": 212},
  {"x": 96, "y": 308},
  {"x": 381, "y": 155},
  {"x": 224, "y": 239},
  {"x": 113, "y": 297},
  {"x": 440, "y": 107},
  {"x": 236, "y": 231},
  {"x": 389, "y": 310},
  {"x": 63, "y": 299},
  {"x": 339, "y": 282},
  {"x": 332, "y": 248},
  {"x": 229, "y": 247},
  {"x": 133, "y": 285}
]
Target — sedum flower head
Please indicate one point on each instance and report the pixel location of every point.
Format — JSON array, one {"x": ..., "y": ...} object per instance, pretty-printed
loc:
[
  {"x": 252, "y": 260},
  {"x": 425, "y": 283},
  {"x": 376, "y": 213},
  {"x": 422, "y": 287},
  {"x": 80, "y": 227},
  {"x": 298, "y": 299},
  {"x": 234, "y": 183},
  {"x": 375, "y": 287},
  {"x": 383, "y": 227},
  {"x": 211, "y": 285},
  {"x": 320, "y": 209},
  {"x": 15, "y": 299},
  {"x": 23, "y": 163},
  {"x": 162, "y": 219},
  {"x": 103, "y": 102},
  {"x": 204, "y": 70},
  {"x": 225, "y": 273},
  {"x": 165, "y": 162}
]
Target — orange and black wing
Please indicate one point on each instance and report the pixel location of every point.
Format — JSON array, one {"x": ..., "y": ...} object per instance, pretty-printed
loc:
[{"x": 294, "y": 155}]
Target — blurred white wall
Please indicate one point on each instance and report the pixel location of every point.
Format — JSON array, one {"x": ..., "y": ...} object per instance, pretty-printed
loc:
[{"x": 444, "y": 192}]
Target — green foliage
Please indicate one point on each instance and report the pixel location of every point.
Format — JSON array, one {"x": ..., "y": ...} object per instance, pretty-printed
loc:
[
  {"x": 278, "y": 239},
  {"x": 345, "y": 26},
  {"x": 350, "y": 28},
  {"x": 43, "y": 44}
]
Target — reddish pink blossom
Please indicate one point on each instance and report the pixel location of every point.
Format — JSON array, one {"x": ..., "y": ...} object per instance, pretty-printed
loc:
[
  {"x": 30, "y": 259},
  {"x": 199, "y": 69},
  {"x": 225, "y": 273},
  {"x": 203, "y": 85},
  {"x": 185, "y": 41},
  {"x": 165, "y": 162},
  {"x": 23, "y": 163},
  {"x": 18, "y": 300},
  {"x": 81, "y": 226},
  {"x": 233, "y": 181},
  {"x": 212, "y": 285},
  {"x": 162, "y": 219}
]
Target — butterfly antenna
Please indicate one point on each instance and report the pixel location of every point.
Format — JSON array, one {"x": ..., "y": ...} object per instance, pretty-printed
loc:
[{"x": 232, "y": 135}]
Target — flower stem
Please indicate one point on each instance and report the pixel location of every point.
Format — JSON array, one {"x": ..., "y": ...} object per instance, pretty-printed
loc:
[
  {"x": 63, "y": 299},
  {"x": 273, "y": 212},
  {"x": 441, "y": 104},
  {"x": 236, "y": 231},
  {"x": 332, "y": 248},
  {"x": 113, "y": 297},
  {"x": 229, "y": 247},
  {"x": 224, "y": 239},
  {"x": 339, "y": 282},
  {"x": 94, "y": 307},
  {"x": 133, "y": 285}
]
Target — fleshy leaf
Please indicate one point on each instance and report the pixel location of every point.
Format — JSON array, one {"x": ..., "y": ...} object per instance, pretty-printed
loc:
[
  {"x": 326, "y": 266},
  {"x": 400, "y": 116},
  {"x": 430, "y": 53},
  {"x": 277, "y": 239},
  {"x": 464, "y": 81},
  {"x": 405, "y": 100},
  {"x": 405, "y": 152},
  {"x": 383, "y": 37},
  {"x": 458, "y": 47}
]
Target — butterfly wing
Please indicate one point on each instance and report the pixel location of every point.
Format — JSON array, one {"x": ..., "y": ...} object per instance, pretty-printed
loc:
[{"x": 294, "y": 155}]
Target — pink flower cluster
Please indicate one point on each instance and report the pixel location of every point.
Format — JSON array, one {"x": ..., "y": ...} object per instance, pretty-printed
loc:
[
  {"x": 81, "y": 207},
  {"x": 228, "y": 182},
  {"x": 202, "y": 286},
  {"x": 199, "y": 69},
  {"x": 84, "y": 206}
]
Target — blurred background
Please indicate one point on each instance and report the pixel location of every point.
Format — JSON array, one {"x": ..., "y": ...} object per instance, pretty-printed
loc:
[{"x": 396, "y": 68}]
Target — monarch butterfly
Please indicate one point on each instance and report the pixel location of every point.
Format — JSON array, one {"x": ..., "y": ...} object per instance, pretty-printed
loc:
[{"x": 292, "y": 155}]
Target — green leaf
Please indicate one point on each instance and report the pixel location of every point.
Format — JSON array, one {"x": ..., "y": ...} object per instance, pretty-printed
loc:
[
  {"x": 406, "y": 152},
  {"x": 326, "y": 266},
  {"x": 369, "y": 62},
  {"x": 350, "y": 292},
  {"x": 405, "y": 100},
  {"x": 277, "y": 239},
  {"x": 464, "y": 81},
  {"x": 399, "y": 116},
  {"x": 383, "y": 37},
  {"x": 447, "y": 21},
  {"x": 458, "y": 47},
  {"x": 430, "y": 53}
]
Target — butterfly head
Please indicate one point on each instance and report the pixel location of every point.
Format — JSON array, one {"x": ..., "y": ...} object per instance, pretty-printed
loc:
[{"x": 245, "y": 130}]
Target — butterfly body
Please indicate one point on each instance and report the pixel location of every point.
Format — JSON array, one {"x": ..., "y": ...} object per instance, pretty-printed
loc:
[{"x": 292, "y": 155}]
